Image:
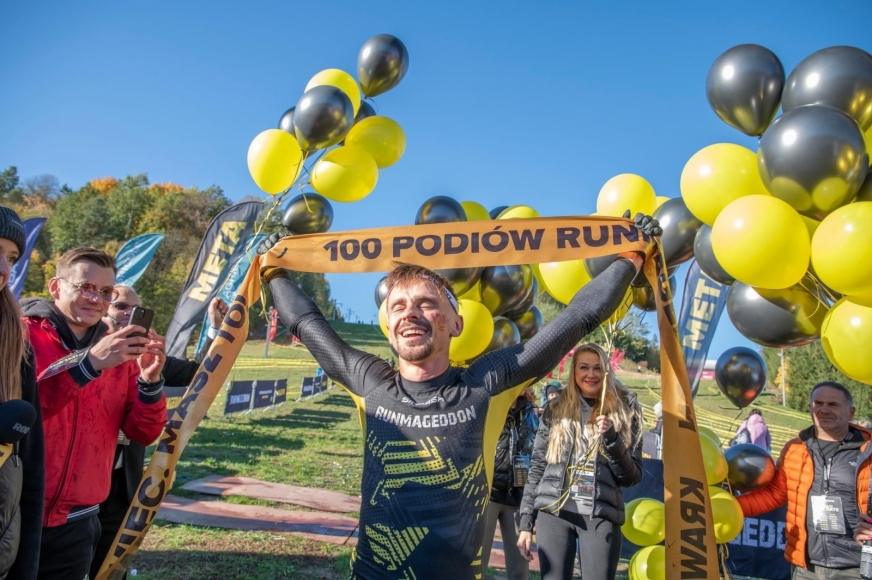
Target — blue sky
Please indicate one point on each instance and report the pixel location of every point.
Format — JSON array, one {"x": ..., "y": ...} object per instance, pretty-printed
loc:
[{"x": 503, "y": 103}]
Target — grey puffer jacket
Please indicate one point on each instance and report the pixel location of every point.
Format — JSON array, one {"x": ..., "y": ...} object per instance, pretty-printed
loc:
[{"x": 616, "y": 467}]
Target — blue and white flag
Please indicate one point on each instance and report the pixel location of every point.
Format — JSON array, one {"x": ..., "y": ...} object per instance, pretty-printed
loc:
[
  {"x": 18, "y": 275},
  {"x": 134, "y": 257},
  {"x": 701, "y": 307}
]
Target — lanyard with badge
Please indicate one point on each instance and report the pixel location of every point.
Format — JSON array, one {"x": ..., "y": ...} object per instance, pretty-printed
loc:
[
  {"x": 827, "y": 513},
  {"x": 581, "y": 482}
]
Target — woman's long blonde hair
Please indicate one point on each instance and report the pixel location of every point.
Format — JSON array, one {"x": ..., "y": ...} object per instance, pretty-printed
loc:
[
  {"x": 566, "y": 427},
  {"x": 12, "y": 346}
]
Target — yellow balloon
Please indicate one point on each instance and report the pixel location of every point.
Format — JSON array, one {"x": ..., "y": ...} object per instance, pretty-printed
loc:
[
  {"x": 716, "y": 467},
  {"x": 660, "y": 200},
  {"x": 624, "y": 307},
  {"x": 563, "y": 279},
  {"x": 478, "y": 330},
  {"x": 383, "y": 318},
  {"x": 716, "y": 176},
  {"x": 645, "y": 521},
  {"x": 475, "y": 212},
  {"x": 381, "y": 137},
  {"x": 760, "y": 240},
  {"x": 473, "y": 293},
  {"x": 341, "y": 80},
  {"x": 274, "y": 160},
  {"x": 727, "y": 515},
  {"x": 868, "y": 137},
  {"x": 626, "y": 192},
  {"x": 345, "y": 174},
  {"x": 841, "y": 249},
  {"x": 649, "y": 563},
  {"x": 705, "y": 431},
  {"x": 518, "y": 212},
  {"x": 846, "y": 335},
  {"x": 811, "y": 225}
]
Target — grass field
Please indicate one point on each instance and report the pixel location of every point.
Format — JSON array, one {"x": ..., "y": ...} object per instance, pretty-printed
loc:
[{"x": 318, "y": 443}]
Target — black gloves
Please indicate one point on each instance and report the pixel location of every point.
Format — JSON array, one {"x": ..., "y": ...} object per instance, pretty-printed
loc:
[{"x": 647, "y": 224}]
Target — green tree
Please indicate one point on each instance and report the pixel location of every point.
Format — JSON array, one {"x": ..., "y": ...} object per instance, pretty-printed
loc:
[{"x": 807, "y": 366}]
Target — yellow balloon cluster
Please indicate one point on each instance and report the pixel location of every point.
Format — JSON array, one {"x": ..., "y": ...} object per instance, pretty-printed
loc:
[
  {"x": 716, "y": 176},
  {"x": 274, "y": 160},
  {"x": 626, "y": 192}
]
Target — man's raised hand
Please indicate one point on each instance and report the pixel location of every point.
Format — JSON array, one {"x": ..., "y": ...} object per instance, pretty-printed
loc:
[{"x": 151, "y": 362}]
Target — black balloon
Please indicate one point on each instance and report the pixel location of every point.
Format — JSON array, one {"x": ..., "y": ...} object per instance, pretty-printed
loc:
[
  {"x": 838, "y": 76},
  {"x": 705, "y": 256},
  {"x": 529, "y": 323},
  {"x": 381, "y": 291},
  {"x": 814, "y": 158},
  {"x": 286, "y": 123},
  {"x": 462, "y": 279},
  {"x": 439, "y": 210},
  {"x": 865, "y": 193},
  {"x": 777, "y": 318},
  {"x": 644, "y": 299},
  {"x": 750, "y": 467},
  {"x": 741, "y": 375},
  {"x": 323, "y": 116},
  {"x": 505, "y": 287},
  {"x": 381, "y": 64},
  {"x": 497, "y": 211},
  {"x": 505, "y": 334},
  {"x": 744, "y": 87},
  {"x": 526, "y": 303},
  {"x": 308, "y": 213},
  {"x": 679, "y": 231}
]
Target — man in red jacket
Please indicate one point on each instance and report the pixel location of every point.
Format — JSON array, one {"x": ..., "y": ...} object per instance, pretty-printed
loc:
[{"x": 91, "y": 385}]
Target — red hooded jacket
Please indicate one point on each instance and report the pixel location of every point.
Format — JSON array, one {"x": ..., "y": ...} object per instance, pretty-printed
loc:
[{"x": 82, "y": 421}]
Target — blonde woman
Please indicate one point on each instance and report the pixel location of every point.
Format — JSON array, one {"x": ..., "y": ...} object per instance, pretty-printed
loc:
[{"x": 586, "y": 450}]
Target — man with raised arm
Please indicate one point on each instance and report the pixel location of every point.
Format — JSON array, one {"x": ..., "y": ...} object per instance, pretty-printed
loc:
[{"x": 431, "y": 428}]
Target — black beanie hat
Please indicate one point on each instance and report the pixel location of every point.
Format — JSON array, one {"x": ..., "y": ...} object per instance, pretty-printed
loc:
[{"x": 12, "y": 229}]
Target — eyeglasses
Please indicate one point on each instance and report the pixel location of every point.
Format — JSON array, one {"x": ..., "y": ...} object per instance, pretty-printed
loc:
[
  {"x": 123, "y": 306},
  {"x": 89, "y": 291}
]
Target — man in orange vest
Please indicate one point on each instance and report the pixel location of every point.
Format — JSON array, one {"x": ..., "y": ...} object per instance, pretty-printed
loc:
[{"x": 823, "y": 476}]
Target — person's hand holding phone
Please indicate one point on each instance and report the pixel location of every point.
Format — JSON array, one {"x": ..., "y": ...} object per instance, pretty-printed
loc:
[
  {"x": 151, "y": 362},
  {"x": 116, "y": 348}
]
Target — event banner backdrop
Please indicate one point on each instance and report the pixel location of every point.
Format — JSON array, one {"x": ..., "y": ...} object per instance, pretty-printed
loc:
[
  {"x": 704, "y": 301},
  {"x": 222, "y": 245},
  {"x": 18, "y": 275},
  {"x": 690, "y": 552},
  {"x": 134, "y": 257},
  {"x": 231, "y": 286}
]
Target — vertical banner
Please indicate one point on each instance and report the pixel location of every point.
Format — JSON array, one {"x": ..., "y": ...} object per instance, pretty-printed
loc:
[
  {"x": 691, "y": 552},
  {"x": 32, "y": 228},
  {"x": 222, "y": 245},
  {"x": 704, "y": 301},
  {"x": 134, "y": 257},
  {"x": 232, "y": 285}
]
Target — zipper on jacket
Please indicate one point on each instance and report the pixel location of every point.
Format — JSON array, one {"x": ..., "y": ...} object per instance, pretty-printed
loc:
[{"x": 63, "y": 481}]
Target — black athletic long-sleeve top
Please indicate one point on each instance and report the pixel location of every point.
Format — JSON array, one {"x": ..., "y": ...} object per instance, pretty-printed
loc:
[{"x": 429, "y": 451}]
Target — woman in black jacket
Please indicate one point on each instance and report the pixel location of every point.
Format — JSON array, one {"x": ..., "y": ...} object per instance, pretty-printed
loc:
[
  {"x": 586, "y": 450},
  {"x": 22, "y": 476}
]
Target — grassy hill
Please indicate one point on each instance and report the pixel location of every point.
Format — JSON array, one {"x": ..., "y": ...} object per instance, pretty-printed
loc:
[{"x": 318, "y": 443}]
